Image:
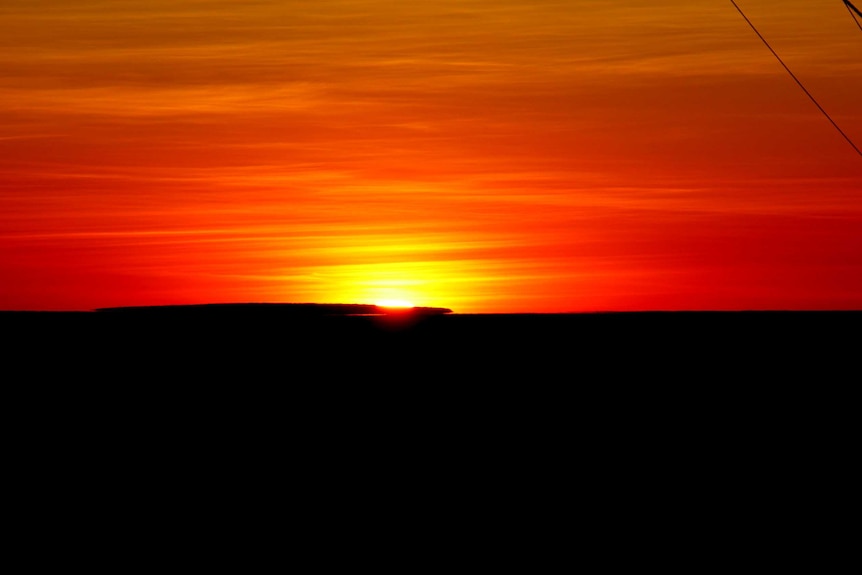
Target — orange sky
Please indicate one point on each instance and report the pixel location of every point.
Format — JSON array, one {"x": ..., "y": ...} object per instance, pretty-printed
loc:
[{"x": 481, "y": 155}]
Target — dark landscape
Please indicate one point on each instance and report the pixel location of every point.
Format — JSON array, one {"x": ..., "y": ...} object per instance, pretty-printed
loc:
[
  {"x": 716, "y": 414},
  {"x": 311, "y": 342},
  {"x": 258, "y": 363},
  {"x": 332, "y": 371}
]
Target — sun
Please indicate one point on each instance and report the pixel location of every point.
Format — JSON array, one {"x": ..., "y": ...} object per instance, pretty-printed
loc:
[{"x": 401, "y": 303}]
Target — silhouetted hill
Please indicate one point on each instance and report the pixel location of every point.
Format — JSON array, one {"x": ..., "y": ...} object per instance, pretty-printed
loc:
[
  {"x": 280, "y": 310},
  {"x": 248, "y": 341},
  {"x": 703, "y": 408}
]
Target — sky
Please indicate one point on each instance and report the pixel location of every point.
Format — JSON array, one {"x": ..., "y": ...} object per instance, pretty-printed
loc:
[{"x": 488, "y": 156}]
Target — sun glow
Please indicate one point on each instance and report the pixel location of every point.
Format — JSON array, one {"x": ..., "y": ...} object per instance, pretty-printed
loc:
[{"x": 393, "y": 303}]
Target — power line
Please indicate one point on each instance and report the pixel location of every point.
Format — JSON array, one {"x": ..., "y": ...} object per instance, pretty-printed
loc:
[
  {"x": 792, "y": 75},
  {"x": 851, "y": 8}
]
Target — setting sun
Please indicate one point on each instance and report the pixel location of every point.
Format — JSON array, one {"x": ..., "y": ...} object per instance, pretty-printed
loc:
[{"x": 393, "y": 303}]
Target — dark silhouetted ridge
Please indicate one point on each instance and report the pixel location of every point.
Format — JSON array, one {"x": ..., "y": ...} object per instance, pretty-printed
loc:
[{"x": 280, "y": 309}]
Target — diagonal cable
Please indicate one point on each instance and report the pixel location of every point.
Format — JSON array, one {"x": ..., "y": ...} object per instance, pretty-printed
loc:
[
  {"x": 851, "y": 8},
  {"x": 792, "y": 75}
]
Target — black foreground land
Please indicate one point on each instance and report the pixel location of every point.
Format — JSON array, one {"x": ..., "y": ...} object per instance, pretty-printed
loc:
[
  {"x": 706, "y": 420},
  {"x": 261, "y": 362},
  {"x": 247, "y": 365},
  {"x": 331, "y": 342}
]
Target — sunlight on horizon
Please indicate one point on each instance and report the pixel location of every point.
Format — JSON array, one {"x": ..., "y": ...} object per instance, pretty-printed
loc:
[{"x": 399, "y": 303}]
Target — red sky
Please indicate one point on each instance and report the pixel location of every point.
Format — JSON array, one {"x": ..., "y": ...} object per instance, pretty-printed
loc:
[{"x": 482, "y": 155}]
